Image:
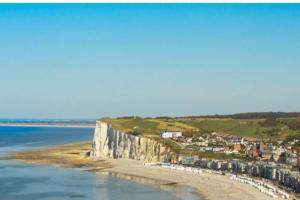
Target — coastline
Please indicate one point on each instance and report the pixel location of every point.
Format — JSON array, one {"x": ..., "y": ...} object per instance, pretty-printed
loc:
[
  {"x": 180, "y": 191},
  {"x": 207, "y": 186},
  {"x": 45, "y": 125}
]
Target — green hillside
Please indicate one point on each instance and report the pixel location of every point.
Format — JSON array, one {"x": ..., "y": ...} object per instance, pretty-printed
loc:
[{"x": 268, "y": 128}]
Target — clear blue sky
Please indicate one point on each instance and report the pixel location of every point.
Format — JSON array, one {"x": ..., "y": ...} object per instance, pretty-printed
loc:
[{"x": 88, "y": 61}]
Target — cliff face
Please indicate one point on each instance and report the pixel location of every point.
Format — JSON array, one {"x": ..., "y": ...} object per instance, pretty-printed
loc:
[{"x": 110, "y": 143}]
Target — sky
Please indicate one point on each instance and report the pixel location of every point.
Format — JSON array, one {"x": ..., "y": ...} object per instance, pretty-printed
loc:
[{"x": 108, "y": 60}]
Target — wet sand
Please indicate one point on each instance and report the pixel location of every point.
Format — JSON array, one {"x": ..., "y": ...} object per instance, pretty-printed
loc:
[
  {"x": 208, "y": 186},
  {"x": 68, "y": 155}
]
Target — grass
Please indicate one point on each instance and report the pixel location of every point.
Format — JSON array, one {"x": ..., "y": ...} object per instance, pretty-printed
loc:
[
  {"x": 173, "y": 145},
  {"x": 136, "y": 126},
  {"x": 143, "y": 126},
  {"x": 241, "y": 127},
  {"x": 253, "y": 128}
]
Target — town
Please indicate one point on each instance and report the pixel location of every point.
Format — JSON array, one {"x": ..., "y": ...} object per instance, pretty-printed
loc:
[
  {"x": 273, "y": 161},
  {"x": 281, "y": 151}
]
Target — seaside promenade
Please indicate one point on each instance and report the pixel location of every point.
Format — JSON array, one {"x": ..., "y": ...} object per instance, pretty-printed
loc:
[{"x": 263, "y": 186}]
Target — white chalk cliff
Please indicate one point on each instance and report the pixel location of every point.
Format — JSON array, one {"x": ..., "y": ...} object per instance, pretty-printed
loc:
[{"x": 110, "y": 143}]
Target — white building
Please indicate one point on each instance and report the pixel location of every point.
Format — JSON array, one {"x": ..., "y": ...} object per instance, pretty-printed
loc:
[{"x": 171, "y": 134}]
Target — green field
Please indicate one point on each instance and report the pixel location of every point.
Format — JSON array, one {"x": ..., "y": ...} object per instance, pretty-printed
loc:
[
  {"x": 254, "y": 128},
  {"x": 239, "y": 127},
  {"x": 147, "y": 126}
]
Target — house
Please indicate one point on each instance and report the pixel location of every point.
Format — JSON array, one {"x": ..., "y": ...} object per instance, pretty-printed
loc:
[
  {"x": 171, "y": 134},
  {"x": 218, "y": 149},
  {"x": 252, "y": 151},
  {"x": 278, "y": 153},
  {"x": 267, "y": 151},
  {"x": 235, "y": 140},
  {"x": 236, "y": 148},
  {"x": 227, "y": 149},
  {"x": 188, "y": 160},
  {"x": 261, "y": 146},
  {"x": 202, "y": 144}
]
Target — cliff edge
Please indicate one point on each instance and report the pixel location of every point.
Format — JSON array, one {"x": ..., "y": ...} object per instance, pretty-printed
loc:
[{"x": 110, "y": 143}]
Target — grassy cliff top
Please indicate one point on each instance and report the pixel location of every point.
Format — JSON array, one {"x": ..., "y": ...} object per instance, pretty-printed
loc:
[
  {"x": 147, "y": 126},
  {"x": 267, "y": 128}
]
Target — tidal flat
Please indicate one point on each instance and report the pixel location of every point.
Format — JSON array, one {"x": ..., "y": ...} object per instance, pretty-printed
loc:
[{"x": 181, "y": 184}]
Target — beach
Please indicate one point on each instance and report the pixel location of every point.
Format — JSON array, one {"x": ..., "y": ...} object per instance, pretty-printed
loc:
[{"x": 207, "y": 186}]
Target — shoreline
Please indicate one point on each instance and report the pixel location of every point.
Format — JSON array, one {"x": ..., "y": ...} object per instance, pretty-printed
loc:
[
  {"x": 180, "y": 191},
  {"x": 45, "y": 125},
  {"x": 74, "y": 156},
  {"x": 206, "y": 186}
]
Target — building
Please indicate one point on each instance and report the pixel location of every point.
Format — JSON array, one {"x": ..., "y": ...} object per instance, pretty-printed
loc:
[
  {"x": 277, "y": 154},
  {"x": 261, "y": 147},
  {"x": 188, "y": 160},
  {"x": 218, "y": 149},
  {"x": 171, "y": 134},
  {"x": 236, "y": 148},
  {"x": 267, "y": 151}
]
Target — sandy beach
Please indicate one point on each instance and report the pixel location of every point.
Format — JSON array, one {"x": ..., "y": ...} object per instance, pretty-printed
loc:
[{"x": 208, "y": 186}]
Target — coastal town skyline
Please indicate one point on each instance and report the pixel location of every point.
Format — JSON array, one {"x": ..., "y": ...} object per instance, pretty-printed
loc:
[{"x": 89, "y": 61}]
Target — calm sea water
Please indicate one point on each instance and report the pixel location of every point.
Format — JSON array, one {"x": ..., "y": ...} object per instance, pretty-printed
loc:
[{"x": 19, "y": 181}]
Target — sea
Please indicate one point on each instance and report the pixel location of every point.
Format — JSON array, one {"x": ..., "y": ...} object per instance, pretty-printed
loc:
[{"x": 20, "y": 181}]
